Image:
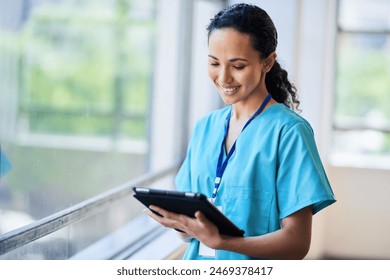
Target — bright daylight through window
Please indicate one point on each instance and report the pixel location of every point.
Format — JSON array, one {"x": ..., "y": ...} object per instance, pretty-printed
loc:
[{"x": 362, "y": 100}]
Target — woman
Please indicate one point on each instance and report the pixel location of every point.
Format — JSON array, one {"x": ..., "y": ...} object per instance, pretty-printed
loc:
[{"x": 256, "y": 158}]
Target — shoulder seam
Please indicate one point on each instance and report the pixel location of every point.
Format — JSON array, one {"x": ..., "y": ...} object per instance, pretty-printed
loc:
[{"x": 295, "y": 123}]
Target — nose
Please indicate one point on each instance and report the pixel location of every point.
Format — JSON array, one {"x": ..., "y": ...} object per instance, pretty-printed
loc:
[{"x": 224, "y": 76}]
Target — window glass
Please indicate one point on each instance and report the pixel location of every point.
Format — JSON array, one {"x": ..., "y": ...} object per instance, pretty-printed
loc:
[
  {"x": 75, "y": 87},
  {"x": 362, "y": 102},
  {"x": 87, "y": 79}
]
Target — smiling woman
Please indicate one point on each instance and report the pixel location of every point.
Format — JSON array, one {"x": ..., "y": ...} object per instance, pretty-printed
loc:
[
  {"x": 236, "y": 68},
  {"x": 268, "y": 177}
]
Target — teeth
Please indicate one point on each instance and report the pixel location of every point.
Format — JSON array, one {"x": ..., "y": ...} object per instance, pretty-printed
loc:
[{"x": 228, "y": 90}]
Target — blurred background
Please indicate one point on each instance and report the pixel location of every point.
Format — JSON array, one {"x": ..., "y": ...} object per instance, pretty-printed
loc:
[{"x": 99, "y": 96}]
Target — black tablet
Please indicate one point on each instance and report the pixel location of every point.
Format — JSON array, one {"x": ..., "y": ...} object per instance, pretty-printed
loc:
[{"x": 187, "y": 203}]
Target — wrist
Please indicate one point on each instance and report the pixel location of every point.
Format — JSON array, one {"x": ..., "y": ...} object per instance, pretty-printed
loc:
[
  {"x": 229, "y": 243},
  {"x": 221, "y": 243}
]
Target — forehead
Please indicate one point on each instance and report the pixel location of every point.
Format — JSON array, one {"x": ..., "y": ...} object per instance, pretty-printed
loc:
[{"x": 227, "y": 43}]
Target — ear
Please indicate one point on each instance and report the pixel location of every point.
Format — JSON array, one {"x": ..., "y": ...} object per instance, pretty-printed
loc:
[{"x": 269, "y": 62}]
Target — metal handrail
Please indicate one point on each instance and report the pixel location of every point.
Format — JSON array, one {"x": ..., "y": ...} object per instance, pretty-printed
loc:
[{"x": 24, "y": 235}]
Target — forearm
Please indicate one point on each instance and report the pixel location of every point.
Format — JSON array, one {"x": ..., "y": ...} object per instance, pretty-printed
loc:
[
  {"x": 292, "y": 241},
  {"x": 277, "y": 245}
]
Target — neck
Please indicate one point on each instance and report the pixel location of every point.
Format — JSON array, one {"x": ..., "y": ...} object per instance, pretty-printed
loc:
[{"x": 244, "y": 110}]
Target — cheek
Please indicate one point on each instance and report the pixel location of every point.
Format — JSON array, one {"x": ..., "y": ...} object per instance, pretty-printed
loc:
[{"x": 253, "y": 78}]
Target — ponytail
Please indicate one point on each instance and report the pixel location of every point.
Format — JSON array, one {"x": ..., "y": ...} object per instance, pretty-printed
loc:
[{"x": 280, "y": 88}]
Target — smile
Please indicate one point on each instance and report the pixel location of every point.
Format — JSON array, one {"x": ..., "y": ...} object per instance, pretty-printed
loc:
[{"x": 229, "y": 90}]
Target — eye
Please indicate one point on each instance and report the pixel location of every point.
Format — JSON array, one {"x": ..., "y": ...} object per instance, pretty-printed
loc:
[
  {"x": 215, "y": 64},
  {"x": 239, "y": 67}
]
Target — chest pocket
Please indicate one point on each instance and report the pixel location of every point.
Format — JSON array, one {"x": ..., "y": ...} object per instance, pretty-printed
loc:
[{"x": 248, "y": 208}]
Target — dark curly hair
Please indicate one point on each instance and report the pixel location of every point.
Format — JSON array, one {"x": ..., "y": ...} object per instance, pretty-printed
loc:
[{"x": 255, "y": 22}]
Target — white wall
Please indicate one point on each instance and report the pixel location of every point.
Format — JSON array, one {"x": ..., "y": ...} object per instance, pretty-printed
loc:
[
  {"x": 204, "y": 97},
  {"x": 358, "y": 226}
]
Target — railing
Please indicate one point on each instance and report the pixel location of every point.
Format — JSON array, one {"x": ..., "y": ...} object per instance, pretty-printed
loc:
[{"x": 24, "y": 235}]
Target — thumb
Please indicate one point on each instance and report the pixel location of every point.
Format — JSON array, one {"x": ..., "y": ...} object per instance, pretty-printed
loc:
[{"x": 202, "y": 218}]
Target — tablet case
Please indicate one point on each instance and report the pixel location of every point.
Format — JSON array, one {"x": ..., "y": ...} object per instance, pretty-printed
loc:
[{"x": 187, "y": 203}]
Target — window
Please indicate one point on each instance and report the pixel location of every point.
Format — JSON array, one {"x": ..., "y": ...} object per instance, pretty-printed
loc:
[
  {"x": 92, "y": 87},
  {"x": 362, "y": 103},
  {"x": 76, "y": 81}
]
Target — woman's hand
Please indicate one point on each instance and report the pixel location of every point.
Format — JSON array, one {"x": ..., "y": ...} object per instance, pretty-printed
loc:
[
  {"x": 199, "y": 227},
  {"x": 292, "y": 241}
]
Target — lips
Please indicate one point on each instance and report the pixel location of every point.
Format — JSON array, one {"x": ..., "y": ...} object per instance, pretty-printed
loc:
[{"x": 228, "y": 90}]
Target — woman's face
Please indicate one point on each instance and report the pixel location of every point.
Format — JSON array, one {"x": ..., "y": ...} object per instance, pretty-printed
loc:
[{"x": 235, "y": 66}]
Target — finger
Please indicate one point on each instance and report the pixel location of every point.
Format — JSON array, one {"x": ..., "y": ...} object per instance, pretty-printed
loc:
[
  {"x": 167, "y": 214},
  {"x": 162, "y": 212},
  {"x": 157, "y": 210},
  {"x": 147, "y": 211},
  {"x": 151, "y": 214},
  {"x": 202, "y": 219},
  {"x": 165, "y": 218}
]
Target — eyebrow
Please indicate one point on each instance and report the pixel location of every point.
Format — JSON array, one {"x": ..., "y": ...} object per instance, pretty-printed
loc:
[{"x": 231, "y": 60}]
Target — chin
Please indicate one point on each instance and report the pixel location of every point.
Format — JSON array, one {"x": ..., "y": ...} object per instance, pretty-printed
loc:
[{"x": 226, "y": 100}]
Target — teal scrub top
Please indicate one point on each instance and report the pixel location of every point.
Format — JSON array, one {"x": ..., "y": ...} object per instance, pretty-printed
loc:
[{"x": 275, "y": 171}]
